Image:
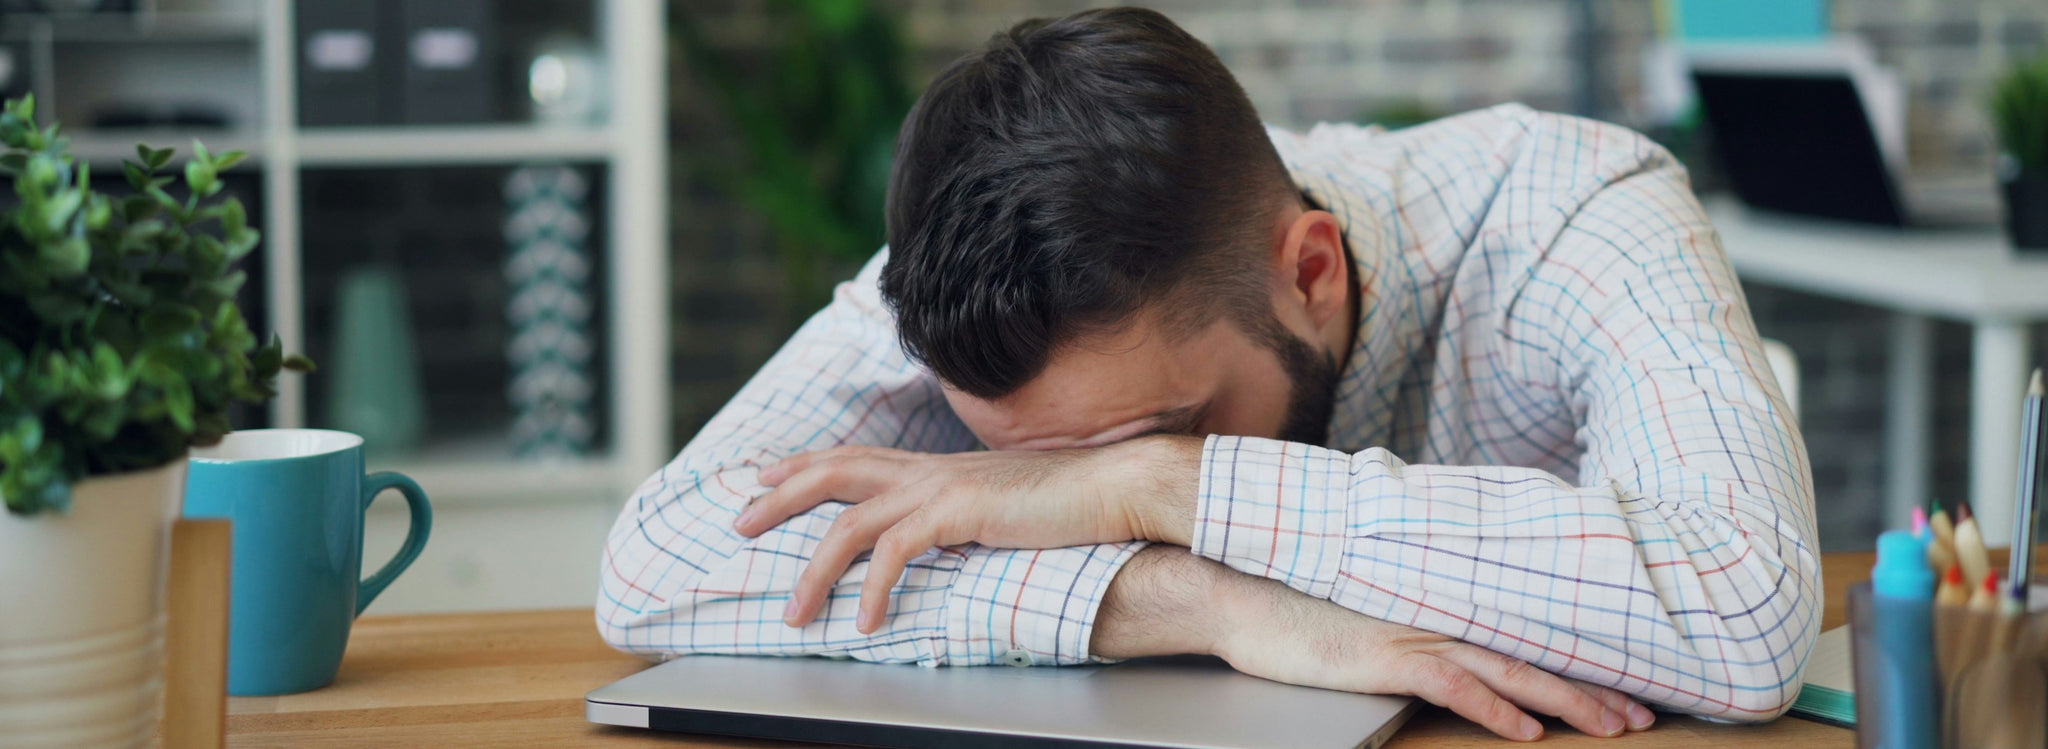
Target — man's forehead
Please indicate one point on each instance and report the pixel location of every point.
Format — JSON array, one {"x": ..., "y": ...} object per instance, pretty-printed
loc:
[{"x": 1106, "y": 390}]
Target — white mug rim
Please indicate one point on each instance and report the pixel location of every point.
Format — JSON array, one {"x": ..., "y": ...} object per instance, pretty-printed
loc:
[{"x": 334, "y": 441}]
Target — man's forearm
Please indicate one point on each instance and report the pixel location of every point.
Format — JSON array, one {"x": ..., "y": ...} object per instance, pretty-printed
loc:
[
  {"x": 1165, "y": 601},
  {"x": 1164, "y": 485}
]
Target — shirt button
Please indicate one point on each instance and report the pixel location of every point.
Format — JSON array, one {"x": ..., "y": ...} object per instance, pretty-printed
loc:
[{"x": 1018, "y": 658}]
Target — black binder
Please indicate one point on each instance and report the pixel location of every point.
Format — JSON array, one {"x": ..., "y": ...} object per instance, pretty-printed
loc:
[
  {"x": 450, "y": 50},
  {"x": 341, "y": 61}
]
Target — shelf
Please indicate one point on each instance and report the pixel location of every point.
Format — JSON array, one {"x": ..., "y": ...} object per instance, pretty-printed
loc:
[
  {"x": 456, "y": 145},
  {"x": 453, "y": 145},
  {"x": 109, "y": 147},
  {"x": 139, "y": 28},
  {"x": 484, "y": 471},
  {"x": 429, "y": 145}
]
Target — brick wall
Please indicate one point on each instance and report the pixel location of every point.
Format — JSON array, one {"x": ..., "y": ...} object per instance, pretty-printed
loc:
[{"x": 1316, "y": 60}]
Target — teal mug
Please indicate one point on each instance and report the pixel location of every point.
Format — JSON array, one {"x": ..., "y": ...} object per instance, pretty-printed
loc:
[{"x": 297, "y": 498}]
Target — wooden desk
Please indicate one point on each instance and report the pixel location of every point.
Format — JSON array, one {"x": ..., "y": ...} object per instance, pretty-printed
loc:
[{"x": 518, "y": 678}]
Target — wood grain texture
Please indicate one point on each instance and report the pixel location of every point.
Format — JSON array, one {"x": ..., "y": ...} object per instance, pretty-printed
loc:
[
  {"x": 518, "y": 678},
  {"x": 196, "y": 634}
]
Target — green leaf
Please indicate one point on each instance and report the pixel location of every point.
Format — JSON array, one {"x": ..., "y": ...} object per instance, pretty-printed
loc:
[
  {"x": 199, "y": 176},
  {"x": 99, "y": 212},
  {"x": 178, "y": 406},
  {"x": 66, "y": 258},
  {"x": 208, "y": 257},
  {"x": 242, "y": 242},
  {"x": 227, "y": 285},
  {"x": 269, "y": 358},
  {"x": 157, "y": 158},
  {"x": 299, "y": 363},
  {"x": 141, "y": 235},
  {"x": 232, "y": 218},
  {"x": 57, "y": 215},
  {"x": 228, "y": 160},
  {"x": 138, "y": 178}
]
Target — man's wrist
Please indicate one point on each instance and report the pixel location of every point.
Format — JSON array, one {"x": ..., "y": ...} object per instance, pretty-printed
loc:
[
  {"x": 1164, "y": 475},
  {"x": 1165, "y": 601}
]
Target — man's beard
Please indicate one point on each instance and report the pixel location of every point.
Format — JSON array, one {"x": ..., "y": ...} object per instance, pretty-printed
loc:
[{"x": 1314, "y": 378}]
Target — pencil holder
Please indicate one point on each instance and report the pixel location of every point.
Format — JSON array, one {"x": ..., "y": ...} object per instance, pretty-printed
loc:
[
  {"x": 1994, "y": 685},
  {"x": 1989, "y": 688}
]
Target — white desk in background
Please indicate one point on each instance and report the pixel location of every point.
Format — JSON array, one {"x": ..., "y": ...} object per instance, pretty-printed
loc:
[{"x": 1969, "y": 275}]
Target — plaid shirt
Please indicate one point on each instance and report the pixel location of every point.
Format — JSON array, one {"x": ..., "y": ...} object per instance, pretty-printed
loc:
[{"x": 1556, "y": 437}]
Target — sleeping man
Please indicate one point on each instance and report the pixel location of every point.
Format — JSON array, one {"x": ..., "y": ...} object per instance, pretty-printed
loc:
[{"x": 1473, "y": 411}]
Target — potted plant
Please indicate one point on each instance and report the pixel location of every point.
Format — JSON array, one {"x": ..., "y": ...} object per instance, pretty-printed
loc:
[
  {"x": 120, "y": 346},
  {"x": 2019, "y": 112}
]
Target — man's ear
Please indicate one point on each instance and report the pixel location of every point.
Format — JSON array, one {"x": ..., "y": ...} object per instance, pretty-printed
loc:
[{"x": 1314, "y": 268}]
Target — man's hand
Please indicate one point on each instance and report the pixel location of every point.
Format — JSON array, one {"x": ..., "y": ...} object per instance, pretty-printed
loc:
[
  {"x": 906, "y": 503},
  {"x": 1167, "y": 601}
]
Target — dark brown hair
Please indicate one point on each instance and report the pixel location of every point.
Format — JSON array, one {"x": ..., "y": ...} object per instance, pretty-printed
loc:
[{"x": 1073, "y": 173}]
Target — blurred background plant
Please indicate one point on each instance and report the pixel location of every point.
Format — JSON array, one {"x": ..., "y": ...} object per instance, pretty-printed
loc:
[
  {"x": 815, "y": 106},
  {"x": 2019, "y": 115}
]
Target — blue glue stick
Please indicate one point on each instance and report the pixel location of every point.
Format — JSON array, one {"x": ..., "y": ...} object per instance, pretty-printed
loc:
[{"x": 1902, "y": 597}]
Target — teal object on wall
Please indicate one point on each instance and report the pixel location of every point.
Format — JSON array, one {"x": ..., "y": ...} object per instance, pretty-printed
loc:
[
  {"x": 297, "y": 498},
  {"x": 375, "y": 373},
  {"x": 548, "y": 266},
  {"x": 1731, "y": 20}
]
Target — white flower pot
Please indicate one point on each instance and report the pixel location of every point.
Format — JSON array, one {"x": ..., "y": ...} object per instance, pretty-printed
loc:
[{"x": 82, "y": 612}]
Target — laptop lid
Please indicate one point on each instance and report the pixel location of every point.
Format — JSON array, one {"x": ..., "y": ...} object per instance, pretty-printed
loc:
[
  {"x": 1799, "y": 142},
  {"x": 1152, "y": 702}
]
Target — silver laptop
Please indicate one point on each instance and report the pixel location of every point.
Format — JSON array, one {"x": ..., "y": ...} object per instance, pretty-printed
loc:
[{"x": 1151, "y": 702}]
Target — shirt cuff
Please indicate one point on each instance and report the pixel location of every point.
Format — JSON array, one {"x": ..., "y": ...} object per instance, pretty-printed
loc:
[
  {"x": 1029, "y": 607},
  {"x": 1274, "y": 509}
]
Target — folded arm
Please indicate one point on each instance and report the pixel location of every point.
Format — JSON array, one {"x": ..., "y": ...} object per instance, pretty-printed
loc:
[{"x": 677, "y": 579}]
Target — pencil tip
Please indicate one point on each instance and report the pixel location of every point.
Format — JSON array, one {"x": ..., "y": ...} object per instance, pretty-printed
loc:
[
  {"x": 1962, "y": 513},
  {"x": 2034, "y": 387}
]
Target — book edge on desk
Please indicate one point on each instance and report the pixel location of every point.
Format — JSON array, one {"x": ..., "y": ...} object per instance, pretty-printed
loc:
[{"x": 1825, "y": 704}]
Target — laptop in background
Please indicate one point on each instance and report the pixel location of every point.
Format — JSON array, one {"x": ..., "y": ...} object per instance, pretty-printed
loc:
[
  {"x": 1193, "y": 702},
  {"x": 1820, "y": 132}
]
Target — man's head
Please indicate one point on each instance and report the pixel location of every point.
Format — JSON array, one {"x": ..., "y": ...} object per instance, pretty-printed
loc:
[{"x": 1092, "y": 238}]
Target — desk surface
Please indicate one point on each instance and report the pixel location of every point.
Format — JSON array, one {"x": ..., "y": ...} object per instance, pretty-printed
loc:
[
  {"x": 1966, "y": 273},
  {"x": 518, "y": 678}
]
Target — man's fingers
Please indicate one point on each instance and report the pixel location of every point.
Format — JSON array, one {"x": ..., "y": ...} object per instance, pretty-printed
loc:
[
  {"x": 775, "y": 473},
  {"x": 1448, "y": 684},
  {"x": 893, "y": 551},
  {"x": 1639, "y": 717},
  {"x": 853, "y": 532},
  {"x": 1538, "y": 690},
  {"x": 843, "y": 477}
]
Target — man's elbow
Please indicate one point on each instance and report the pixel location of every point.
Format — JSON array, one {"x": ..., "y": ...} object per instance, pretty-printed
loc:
[
  {"x": 1763, "y": 679},
  {"x": 641, "y": 585}
]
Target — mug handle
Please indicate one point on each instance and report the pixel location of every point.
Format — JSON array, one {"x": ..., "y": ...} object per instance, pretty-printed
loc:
[{"x": 415, "y": 534}]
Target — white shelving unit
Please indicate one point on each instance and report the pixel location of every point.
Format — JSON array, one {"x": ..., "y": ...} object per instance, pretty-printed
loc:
[{"x": 631, "y": 145}]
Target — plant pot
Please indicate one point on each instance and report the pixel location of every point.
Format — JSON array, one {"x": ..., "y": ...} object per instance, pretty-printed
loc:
[
  {"x": 2026, "y": 210},
  {"x": 82, "y": 612}
]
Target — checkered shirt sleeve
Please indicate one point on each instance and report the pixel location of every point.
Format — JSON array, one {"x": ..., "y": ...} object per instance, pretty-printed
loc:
[{"x": 676, "y": 579}]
